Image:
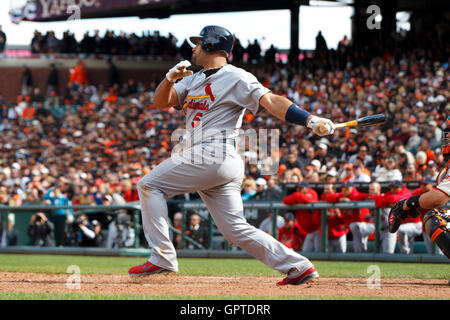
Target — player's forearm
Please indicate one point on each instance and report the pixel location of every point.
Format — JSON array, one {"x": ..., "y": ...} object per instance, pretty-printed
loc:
[
  {"x": 278, "y": 106},
  {"x": 284, "y": 109},
  {"x": 163, "y": 95},
  {"x": 433, "y": 199}
]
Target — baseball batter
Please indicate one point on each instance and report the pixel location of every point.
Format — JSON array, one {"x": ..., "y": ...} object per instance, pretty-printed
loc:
[
  {"x": 436, "y": 221},
  {"x": 214, "y": 101}
]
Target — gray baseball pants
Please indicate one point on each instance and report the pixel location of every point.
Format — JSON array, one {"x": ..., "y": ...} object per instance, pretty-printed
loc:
[{"x": 219, "y": 185}]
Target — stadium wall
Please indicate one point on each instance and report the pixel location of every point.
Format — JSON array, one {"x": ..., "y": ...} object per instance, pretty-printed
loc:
[{"x": 12, "y": 72}]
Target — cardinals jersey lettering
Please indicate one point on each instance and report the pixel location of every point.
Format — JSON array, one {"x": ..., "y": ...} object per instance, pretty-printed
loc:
[{"x": 216, "y": 104}]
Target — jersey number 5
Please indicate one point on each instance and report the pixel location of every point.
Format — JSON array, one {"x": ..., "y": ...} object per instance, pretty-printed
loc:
[{"x": 196, "y": 121}]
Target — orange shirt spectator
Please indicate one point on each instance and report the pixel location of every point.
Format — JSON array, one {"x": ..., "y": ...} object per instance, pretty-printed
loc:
[
  {"x": 29, "y": 112},
  {"x": 79, "y": 74}
]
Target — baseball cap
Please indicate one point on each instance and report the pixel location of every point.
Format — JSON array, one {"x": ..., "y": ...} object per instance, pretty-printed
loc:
[
  {"x": 353, "y": 130},
  {"x": 397, "y": 183},
  {"x": 323, "y": 146},
  {"x": 332, "y": 172},
  {"x": 316, "y": 163},
  {"x": 289, "y": 216},
  {"x": 261, "y": 182},
  {"x": 426, "y": 180},
  {"x": 348, "y": 184},
  {"x": 303, "y": 184}
]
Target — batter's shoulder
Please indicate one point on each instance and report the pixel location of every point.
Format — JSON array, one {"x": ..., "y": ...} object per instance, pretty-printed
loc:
[{"x": 241, "y": 73}]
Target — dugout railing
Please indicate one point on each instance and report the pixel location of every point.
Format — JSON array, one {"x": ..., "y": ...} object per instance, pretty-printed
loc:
[{"x": 253, "y": 210}]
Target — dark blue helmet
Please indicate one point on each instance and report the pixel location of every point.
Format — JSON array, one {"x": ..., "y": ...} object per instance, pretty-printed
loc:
[{"x": 214, "y": 39}]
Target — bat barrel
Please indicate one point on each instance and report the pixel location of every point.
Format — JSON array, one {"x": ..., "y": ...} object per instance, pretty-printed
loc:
[{"x": 372, "y": 120}]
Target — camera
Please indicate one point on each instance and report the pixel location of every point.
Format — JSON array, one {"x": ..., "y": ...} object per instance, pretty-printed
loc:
[{"x": 38, "y": 218}]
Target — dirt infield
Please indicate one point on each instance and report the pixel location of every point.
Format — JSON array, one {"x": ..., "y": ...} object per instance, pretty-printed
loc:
[{"x": 172, "y": 284}]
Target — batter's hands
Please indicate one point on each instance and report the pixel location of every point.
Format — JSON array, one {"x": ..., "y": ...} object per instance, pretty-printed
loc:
[
  {"x": 179, "y": 71},
  {"x": 321, "y": 126}
]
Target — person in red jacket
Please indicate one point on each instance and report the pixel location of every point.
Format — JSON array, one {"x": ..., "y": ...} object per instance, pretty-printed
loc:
[
  {"x": 337, "y": 230},
  {"x": 308, "y": 220},
  {"x": 359, "y": 221},
  {"x": 425, "y": 185},
  {"x": 290, "y": 234},
  {"x": 410, "y": 227},
  {"x": 387, "y": 239}
]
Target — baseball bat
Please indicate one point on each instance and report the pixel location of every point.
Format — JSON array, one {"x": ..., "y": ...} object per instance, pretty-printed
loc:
[{"x": 372, "y": 120}]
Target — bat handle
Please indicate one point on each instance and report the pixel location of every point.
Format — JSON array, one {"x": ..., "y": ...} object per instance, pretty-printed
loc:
[{"x": 353, "y": 123}]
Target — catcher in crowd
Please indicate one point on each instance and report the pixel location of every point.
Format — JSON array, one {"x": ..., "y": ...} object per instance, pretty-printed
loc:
[
  {"x": 436, "y": 221},
  {"x": 214, "y": 101}
]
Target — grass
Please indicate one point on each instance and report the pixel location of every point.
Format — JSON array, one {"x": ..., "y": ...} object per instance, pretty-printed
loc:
[
  {"x": 206, "y": 267},
  {"x": 215, "y": 267},
  {"x": 88, "y": 296}
]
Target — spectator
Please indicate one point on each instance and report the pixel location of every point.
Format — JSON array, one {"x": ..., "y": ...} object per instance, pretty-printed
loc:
[
  {"x": 9, "y": 236},
  {"x": 359, "y": 175},
  {"x": 362, "y": 155},
  {"x": 249, "y": 189},
  {"x": 2, "y": 41},
  {"x": 290, "y": 234},
  {"x": 321, "y": 44},
  {"x": 178, "y": 225},
  {"x": 387, "y": 239},
  {"x": 270, "y": 55},
  {"x": 87, "y": 232},
  {"x": 27, "y": 81},
  {"x": 40, "y": 230},
  {"x": 238, "y": 52},
  {"x": 197, "y": 232},
  {"x": 413, "y": 141},
  {"x": 113, "y": 74},
  {"x": 337, "y": 230},
  {"x": 52, "y": 80},
  {"x": 121, "y": 233},
  {"x": 78, "y": 75},
  {"x": 186, "y": 50},
  {"x": 261, "y": 184},
  {"x": 389, "y": 172},
  {"x": 357, "y": 220},
  {"x": 308, "y": 220},
  {"x": 272, "y": 192},
  {"x": 267, "y": 224},
  {"x": 410, "y": 227}
]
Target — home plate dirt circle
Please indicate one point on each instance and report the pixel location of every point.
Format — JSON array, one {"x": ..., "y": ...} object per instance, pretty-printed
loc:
[{"x": 202, "y": 286}]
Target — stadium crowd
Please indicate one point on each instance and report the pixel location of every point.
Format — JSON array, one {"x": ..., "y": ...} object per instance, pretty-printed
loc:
[{"x": 92, "y": 145}]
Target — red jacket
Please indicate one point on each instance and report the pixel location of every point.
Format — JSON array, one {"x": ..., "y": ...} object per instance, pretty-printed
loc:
[
  {"x": 336, "y": 225},
  {"x": 307, "y": 220},
  {"x": 389, "y": 199},
  {"x": 291, "y": 238},
  {"x": 352, "y": 215}
]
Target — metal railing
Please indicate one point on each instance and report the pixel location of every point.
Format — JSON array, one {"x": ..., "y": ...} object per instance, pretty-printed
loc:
[{"x": 274, "y": 206}]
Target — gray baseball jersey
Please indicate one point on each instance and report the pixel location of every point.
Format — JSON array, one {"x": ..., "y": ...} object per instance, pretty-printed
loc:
[
  {"x": 212, "y": 104},
  {"x": 217, "y": 103}
]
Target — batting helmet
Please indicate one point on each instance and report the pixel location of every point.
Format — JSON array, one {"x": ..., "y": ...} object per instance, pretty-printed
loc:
[{"x": 215, "y": 39}]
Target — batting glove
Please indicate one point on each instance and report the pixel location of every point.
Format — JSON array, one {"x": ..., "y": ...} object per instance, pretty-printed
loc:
[
  {"x": 321, "y": 126},
  {"x": 179, "y": 71}
]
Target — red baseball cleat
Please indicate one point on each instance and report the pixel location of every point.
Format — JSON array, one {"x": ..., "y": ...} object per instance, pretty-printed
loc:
[
  {"x": 146, "y": 269},
  {"x": 305, "y": 277}
]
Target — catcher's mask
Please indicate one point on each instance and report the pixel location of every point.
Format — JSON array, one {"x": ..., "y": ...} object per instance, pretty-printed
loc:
[{"x": 446, "y": 141}]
